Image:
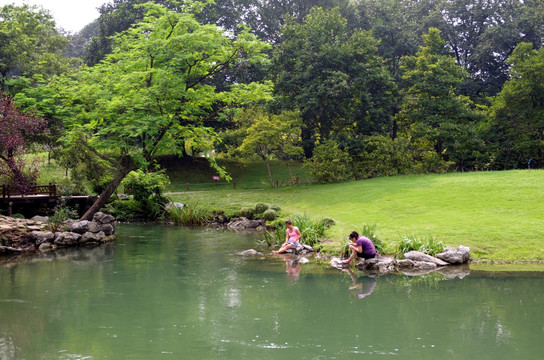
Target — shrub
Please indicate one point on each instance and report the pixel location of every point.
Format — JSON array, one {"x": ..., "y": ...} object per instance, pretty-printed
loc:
[
  {"x": 247, "y": 212},
  {"x": 61, "y": 214},
  {"x": 261, "y": 208},
  {"x": 270, "y": 215},
  {"x": 328, "y": 222},
  {"x": 329, "y": 163},
  {"x": 276, "y": 208},
  {"x": 384, "y": 156}
]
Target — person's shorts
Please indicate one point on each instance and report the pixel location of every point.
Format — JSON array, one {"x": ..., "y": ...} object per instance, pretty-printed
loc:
[
  {"x": 366, "y": 256},
  {"x": 295, "y": 245}
]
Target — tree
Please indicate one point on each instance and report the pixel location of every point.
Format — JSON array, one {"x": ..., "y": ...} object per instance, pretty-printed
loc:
[
  {"x": 29, "y": 44},
  {"x": 268, "y": 134},
  {"x": 152, "y": 92},
  {"x": 329, "y": 163},
  {"x": 517, "y": 113},
  {"x": 16, "y": 129},
  {"x": 432, "y": 111},
  {"x": 333, "y": 76}
]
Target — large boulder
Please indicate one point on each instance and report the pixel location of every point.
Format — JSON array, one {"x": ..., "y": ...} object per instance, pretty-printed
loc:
[
  {"x": 80, "y": 227},
  {"x": 103, "y": 218},
  {"x": 41, "y": 237},
  {"x": 67, "y": 238},
  {"x": 90, "y": 237},
  {"x": 461, "y": 255},
  {"x": 419, "y": 256}
]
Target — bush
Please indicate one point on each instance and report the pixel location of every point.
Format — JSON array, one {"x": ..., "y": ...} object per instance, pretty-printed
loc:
[
  {"x": 276, "y": 208},
  {"x": 384, "y": 156},
  {"x": 329, "y": 163},
  {"x": 260, "y": 208},
  {"x": 270, "y": 215},
  {"x": 328, "y": 222},
  {"x": 247, "y": 212}
]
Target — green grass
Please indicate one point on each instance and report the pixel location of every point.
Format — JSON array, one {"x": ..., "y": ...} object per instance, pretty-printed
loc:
[{"x": 499, "y": 215}]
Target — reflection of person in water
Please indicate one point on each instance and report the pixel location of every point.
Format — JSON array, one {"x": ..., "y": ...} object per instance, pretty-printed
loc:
[
  {"x": 292, "y": 268},
  {"x": 362, "y": 289}
]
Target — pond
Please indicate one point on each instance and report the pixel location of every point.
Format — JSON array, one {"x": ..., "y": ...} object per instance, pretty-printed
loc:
[{"x": 162, "y": 292}]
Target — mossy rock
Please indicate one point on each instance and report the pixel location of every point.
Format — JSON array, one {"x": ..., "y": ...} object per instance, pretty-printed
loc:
[
  {"x": 276, "y": 208},
  {"x": 270, "y": 215},
  {"x": 260, "y": 208}
]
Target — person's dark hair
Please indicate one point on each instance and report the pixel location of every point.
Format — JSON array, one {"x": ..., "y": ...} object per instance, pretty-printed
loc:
[
  {"x": 354, "y": 235},
  {"x": 288, "y": 222}
]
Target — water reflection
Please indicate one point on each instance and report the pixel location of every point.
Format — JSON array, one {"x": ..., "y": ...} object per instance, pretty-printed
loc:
[{"x": 361, "y": 288}]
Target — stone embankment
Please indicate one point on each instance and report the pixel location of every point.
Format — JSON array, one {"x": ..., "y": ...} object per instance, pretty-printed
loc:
[{"x": 21, "y": 235}]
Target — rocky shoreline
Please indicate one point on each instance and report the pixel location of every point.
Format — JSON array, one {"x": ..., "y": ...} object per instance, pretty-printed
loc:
[{"x": 19, "y": 236}]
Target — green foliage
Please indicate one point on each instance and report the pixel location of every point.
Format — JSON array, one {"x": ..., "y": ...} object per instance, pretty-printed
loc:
[
  {"x": 275, "y": 207},
  {"x": 270, "y": 215},
  {"x": 384, "y": 156},
  {"x": 261, "y": 208},
  {"x": 329, "y": 163},
  {"x": 192, "y": 214},
  {"x": 148, "y": 201},
  {"x": 61, "y": 214},
  {"x": 247, "y": 212},
  {"x": 143, "y": 185},
  {"x": 328, "y": 222},
  {"x": 428, "y": 245}
]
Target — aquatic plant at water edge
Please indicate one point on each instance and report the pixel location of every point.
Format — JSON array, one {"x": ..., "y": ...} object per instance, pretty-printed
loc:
[
  {"x": 190, "y": 214},
  {"x": 428, "y": 245},
  {"x": 312, "y": 230}
]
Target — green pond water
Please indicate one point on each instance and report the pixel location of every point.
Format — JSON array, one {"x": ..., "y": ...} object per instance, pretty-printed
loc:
[{"x": 162, "y": 292}]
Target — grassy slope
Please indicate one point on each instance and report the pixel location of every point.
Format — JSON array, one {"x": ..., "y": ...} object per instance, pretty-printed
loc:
[{"x": 499, "y": 215}]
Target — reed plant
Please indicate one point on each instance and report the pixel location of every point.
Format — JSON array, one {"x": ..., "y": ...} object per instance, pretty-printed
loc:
[
  {"x": 428, "y": 245},
  {"x": 192, "y": 214}
]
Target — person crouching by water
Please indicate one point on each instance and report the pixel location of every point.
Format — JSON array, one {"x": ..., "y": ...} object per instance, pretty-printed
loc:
[
  {"x": 292, "y": 235},
  {"x": 361, "y": 247}
]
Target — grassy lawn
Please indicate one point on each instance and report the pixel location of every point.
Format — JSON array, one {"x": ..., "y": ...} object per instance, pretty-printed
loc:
[{"x": 499, "y": 215}]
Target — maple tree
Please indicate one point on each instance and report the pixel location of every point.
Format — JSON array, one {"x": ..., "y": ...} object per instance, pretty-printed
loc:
[{"x": 16, "y": 129}]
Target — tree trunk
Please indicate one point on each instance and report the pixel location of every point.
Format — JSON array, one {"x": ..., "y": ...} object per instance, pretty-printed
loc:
[
  {"x": 290, "y": 174},
  {"x": 106, "y": 194},
  {"x": 269, "y": 171}
]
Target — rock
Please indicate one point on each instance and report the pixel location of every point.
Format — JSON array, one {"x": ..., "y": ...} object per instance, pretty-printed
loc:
[
  {"x": 308, "y": 247},
  {"x": 243, "y": 223},
  {"x": 381, "y": 264},
  {"x": 457, "y": 256},
  {"x": 337, "y": 263},
  {"x": 174, "y": 205},
  {"x": 6, "y": 250},
  {"x": 40, "y": 218},
  {"x": 405, "y": 264},
  {"x": 46, "y": 246},
  {"x": 90, "y": 237},
  {"x": 66, "y": 238},
  {"x": 103, "y": 218},
  {"x": 94, "y": 227},
  {"x": 419, "y": 256},
  {"x": 41, "y": 237},
  {"x": 250, "y": 252},
  {"x": 107, "y": 229},
  {"x": 303, "y": 260},
  {"x": 80, "y": 227},
  {"x": 425, "y": 265}
]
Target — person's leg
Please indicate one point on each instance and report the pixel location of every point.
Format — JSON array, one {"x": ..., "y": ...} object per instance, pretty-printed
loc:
[{"x": 283, "y": 249}]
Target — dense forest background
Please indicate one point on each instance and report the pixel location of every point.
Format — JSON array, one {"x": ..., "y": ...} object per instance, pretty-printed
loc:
[{"x": 353, "y": 88}]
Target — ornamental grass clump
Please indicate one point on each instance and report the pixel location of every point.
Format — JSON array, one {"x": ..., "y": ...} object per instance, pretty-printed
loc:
[
  {"x": 428, "y": 245},
  {"x": 191, "y": 214}
]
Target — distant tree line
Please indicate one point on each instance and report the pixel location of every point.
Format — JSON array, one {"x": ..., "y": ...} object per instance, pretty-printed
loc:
[{"x": 354, "y": 88}]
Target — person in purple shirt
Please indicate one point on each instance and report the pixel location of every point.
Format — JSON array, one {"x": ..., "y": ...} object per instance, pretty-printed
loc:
[{"x": 361, "y": 247}]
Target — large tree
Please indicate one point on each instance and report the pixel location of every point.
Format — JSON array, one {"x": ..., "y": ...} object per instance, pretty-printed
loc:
[
  {"x": 517, "y": 115},
  {"x": 153, "y": 91},
  {"x": 433, "y": 113},
  {"x": 333, "y": 76},
  {"x": 29, "y": 44}
]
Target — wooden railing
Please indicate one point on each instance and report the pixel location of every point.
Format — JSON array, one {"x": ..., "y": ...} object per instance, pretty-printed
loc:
[{"x": 9, "y": 191}]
